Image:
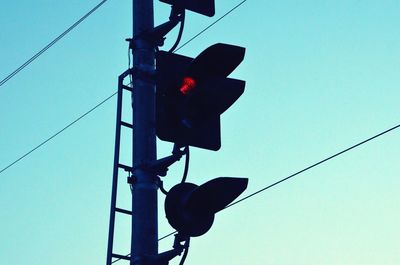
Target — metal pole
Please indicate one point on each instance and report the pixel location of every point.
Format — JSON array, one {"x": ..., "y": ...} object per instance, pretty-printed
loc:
[{"x": 144, "y": 240}]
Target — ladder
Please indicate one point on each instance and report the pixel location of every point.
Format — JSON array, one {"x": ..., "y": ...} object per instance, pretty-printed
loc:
[{"x": 116, "y": 168}]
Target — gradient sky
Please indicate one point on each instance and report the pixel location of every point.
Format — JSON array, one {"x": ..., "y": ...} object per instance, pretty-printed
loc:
[{"x": 321, "y": 76}]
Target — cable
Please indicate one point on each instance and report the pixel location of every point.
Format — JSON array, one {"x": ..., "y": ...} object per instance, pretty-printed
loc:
[
  {"x": 185, "y": 253},
  {"x": 161, "y": 187},
  {"x": 16, "y": 71},
  {"x": 60, "y": 131},
  {"x": 186, "y": 170},
  {"x": 181, "y": 27},
  {"x": 168, "y": 235},
  {"x": 314, "y": 165},
  {"x": 209, "y": 26}
]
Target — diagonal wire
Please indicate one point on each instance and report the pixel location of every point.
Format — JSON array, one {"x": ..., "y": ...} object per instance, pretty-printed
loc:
[
  {"x": 25, "y": 64},
  {"x": 212, "y": 24},
  {"x": 314, "y": 165},
  {"x": 60, "y": 131},
  {"x": 170, "y": 234}
]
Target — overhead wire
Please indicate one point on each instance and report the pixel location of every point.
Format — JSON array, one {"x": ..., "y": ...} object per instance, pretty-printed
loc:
[
  {"x": 314, "y": 165},
  {"x": 58, "y": 132},
  {"x": 209, "y": 26},
  {"x": 59, "y": 37}
]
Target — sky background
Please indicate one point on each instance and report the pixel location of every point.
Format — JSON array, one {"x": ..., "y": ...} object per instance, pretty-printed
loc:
[{"x": 321, "y": 76}]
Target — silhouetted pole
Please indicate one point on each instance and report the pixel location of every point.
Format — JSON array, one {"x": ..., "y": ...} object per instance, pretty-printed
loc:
[{"x": 144, "y": 240}]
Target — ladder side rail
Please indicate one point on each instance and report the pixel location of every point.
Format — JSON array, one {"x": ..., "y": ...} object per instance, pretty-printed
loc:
[{"x": 115, "y": 168}]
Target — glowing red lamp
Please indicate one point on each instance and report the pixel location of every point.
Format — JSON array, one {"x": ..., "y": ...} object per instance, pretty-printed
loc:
[{"x": 188, "y": 85}]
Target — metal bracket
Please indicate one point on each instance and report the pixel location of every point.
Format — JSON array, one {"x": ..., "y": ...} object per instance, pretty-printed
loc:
[{"x": 160, "y": 166}]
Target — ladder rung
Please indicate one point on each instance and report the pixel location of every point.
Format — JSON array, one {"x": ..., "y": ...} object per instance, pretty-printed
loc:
[
  {"x": 127, "y": 87},
  {"x": 127, "y": 124},
  {"x": 126, "y": 168},
  {"x": 123, "y": 211},
  {"x": 126, "y": 257}
]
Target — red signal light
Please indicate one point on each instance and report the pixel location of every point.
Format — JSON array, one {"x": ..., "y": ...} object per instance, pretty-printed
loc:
[{"x": 188, "y": 85}]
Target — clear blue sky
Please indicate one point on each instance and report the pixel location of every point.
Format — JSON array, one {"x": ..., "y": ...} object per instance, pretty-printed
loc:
[{"x": 321, "y": 76}]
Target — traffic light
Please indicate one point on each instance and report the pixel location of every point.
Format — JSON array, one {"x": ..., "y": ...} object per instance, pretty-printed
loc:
[
  {"x": 190, "y": 209},
  {"x": 193, "y": 93},
  {"x": 204, "y": 7}
]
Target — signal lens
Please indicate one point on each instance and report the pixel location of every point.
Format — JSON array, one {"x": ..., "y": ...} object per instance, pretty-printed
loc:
[{"x": 188, "y": 85}]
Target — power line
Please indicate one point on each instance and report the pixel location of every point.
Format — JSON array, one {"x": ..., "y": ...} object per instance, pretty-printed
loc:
[
  {"x": 16, "y": 71},
  {"x": 314, "y": 165},
  {"x": 60, "y": 131},
  {"x": 170, "y": 234},
  {"x": 212, "y": 24}
]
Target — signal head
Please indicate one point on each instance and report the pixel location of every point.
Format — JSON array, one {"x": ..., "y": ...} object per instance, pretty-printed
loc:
[
  {"x": 204, "y": 7},
  {"x": 190, "y": 209}
]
